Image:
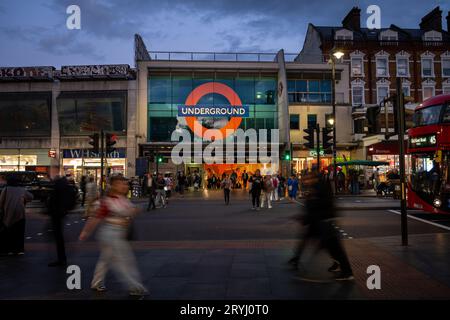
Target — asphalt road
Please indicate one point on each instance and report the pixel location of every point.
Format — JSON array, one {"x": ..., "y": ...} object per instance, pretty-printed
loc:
[{"x": 194, "y": 218}]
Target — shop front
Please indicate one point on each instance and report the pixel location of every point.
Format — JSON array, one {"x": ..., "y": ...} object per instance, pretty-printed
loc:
[
  {"x": 307, "y": 159},
  {"x": 387, "y": 152},
  {"x": 79, "y": 162},
  {"x": 25, "y": 160}
]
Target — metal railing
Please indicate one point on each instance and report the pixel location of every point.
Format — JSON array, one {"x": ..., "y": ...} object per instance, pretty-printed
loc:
[{"x": 219, "y": 56}]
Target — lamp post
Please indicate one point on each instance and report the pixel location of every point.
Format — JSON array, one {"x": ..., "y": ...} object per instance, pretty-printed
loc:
[{"x": 335, "y": 55}]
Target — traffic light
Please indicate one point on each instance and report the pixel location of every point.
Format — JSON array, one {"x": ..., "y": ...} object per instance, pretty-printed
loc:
[
  {"x": 94, "y": 142},
  {"x": 327, "y": 140},
  {"x": 111, "y": 140},
  {"x": 309, "y": 137},
  {"x": 160, "y": 159},
  {"x": 371, "y": 116},
  {"x": 287, "y": 155}
]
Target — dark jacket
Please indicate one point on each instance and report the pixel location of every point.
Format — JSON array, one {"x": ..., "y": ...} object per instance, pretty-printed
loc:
[{"x": 58, "y": 197}]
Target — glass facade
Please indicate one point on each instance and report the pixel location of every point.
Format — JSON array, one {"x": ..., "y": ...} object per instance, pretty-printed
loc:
[
  {"x": 309, "y": 91},
  {"x": 167, "y": 91},
  {"x": 80, "y": 113},
  {"x": 25, "y": 114}
]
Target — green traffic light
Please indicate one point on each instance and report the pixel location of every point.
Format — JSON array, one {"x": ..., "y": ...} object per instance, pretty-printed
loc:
[{"x": 160, "y": 159}]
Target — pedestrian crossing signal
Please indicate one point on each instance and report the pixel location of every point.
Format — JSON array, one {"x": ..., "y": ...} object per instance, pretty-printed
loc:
[
  {"x": 287, "y": 155},
  {"x": 94, "y": 142},
  {"x": 327, "y": 140},
  {"x": 309, "y": 138}
]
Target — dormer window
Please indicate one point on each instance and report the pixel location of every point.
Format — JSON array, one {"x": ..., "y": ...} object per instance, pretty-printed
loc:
[
  {"x": 344, "y": 34},
  {"x": 432, "y": 36},
  {"x": 389, "y": 35}
]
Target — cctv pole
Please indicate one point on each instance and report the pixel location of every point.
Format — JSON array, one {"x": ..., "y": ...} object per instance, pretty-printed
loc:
[
  {"x": 102, "y": 154},
  {"x": 401, "y": 137},
  {"x": 318, "y": 146}
]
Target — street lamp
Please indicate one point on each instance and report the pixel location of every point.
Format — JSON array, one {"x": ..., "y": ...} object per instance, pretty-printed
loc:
[{"x": 334, "y": 56}]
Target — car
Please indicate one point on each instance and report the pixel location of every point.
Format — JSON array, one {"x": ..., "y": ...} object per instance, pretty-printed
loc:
[{"x": 32, "y": 182}]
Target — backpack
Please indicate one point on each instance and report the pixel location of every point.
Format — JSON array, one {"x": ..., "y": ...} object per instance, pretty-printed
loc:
[{"x": 71, "y": 197}]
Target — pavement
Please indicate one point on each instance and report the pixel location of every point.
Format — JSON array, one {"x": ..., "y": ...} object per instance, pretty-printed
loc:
[{"x": 198, "y": 248}]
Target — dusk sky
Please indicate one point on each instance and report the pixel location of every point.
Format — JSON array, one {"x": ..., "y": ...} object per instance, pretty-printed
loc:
[{"x": 34, "y": 32}]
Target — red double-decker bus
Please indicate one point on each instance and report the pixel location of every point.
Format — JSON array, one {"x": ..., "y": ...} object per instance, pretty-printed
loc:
[{"x": 429, "y": 147}]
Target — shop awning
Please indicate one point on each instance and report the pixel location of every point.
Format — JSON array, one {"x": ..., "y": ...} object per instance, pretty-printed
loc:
[{"x": 362, "y": 163}]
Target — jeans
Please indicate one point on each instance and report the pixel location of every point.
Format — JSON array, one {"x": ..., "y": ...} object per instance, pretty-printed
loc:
[
  {"x": 161, "y": 197},
  {"x": 226, "y": 193},
  {"x": 256, "y": 195},
  {"x": 266, "y": 196},
  {"x": 115, "y": 251}
]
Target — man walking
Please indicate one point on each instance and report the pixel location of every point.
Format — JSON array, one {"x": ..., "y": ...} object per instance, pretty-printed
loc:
[
  {"x": 57, "y": 210},
  {"x": 151, "y": 192},
  {"x": 256, "y": 182},
  {"x": 244, "y": 179},
  {"x": 226, "y": 185}
]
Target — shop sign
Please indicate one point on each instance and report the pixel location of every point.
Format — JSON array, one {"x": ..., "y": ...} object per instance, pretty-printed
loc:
[
  {"x": 52, "y": 153},
  {"x": 119, "y": 153},
  {"x": 25, "y": 72},
  {"x": 422, "y": 142},
  {"x": 109, "y": 70},
  {"x": 313, "y": 153}
]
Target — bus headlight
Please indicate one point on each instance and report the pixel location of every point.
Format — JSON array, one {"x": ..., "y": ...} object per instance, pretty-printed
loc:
[{"x": 437, "y": 203}]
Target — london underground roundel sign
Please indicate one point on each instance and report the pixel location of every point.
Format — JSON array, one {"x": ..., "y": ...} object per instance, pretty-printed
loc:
[{"x": 218, "y": 88}]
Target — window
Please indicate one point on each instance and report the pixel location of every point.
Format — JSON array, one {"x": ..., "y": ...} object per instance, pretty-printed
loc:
[
  {"x": 402, "y": 67},
  {"x": 294, "y": 121},
  {"x": 428, "y": 115},
  {"x": 382, "y": 92},
  {"x": 427, "y": 92},
  {"x": 312, "y": 91},
  {"x": 79, "y": 111},
  {"x": 432, "y": 36},
  {"x": 358, "y": 126},
  {"x": 25, "y": 114},
  {"x": 357, "y": 66},
  {"x": 161, "y": 128},
  {"x": 357, "y": 95},
  {"x": 312, "y": 120},
  {"x": 427, "y": 67},
  {"x": 406, "y": 90},
  {"x": 382, "y": 67},
  {"x": 446, "y": 89},
  {"x": 446, "y": 67}
]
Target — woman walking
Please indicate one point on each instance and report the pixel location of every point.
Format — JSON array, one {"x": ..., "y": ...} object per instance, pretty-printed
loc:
[
  {"x": 12, "y": 217},
  {"x": 255, "y": 190},
  {"x": 115, "y": 215},
  {"x": 226, "y": 185}
]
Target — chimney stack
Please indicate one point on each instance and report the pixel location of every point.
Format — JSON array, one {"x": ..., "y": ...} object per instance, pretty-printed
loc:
[
  {"x": 432, "y": 21},
  {"x": 352, "y": 20},
  {"x": 448, "y": 22}
]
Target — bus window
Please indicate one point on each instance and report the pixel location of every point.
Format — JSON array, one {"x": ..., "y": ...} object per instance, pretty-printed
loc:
[
  {"x": 446, "y": 117},
  {"x": 427, "y": 116}
]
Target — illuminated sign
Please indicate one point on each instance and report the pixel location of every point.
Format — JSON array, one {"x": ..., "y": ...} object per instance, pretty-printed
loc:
[
  {"x": 96, "y": 71},
  {"x": 218, "y": 88},
  {"x": 213, "y": 111},
  {"x": 423, "y": 141}
]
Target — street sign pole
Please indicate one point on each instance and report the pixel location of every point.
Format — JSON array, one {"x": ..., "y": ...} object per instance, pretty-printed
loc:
[
  {"x": 102, "y": 154},
  {"x": 401, "y": 136},
  {"x": 318, "y": 146}
]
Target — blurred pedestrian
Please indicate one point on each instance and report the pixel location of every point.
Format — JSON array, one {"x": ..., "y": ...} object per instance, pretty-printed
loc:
[
  {"x": 226, "y": 185},
  {"x": 13, "y": 199},
  {"x": 57, "y": 209},
  {"x": 267, "y": 192},
  {"x": 91, "y": 196},
  {"x": 244, "y": 179},
  {"x": 256, "y": 186},
  {"x": 114, "y": 217},
  {"x": 292, "y": 188},
  {"x": 83, "y": 183},
  {"x": 151, "y": 191},
  {"x": 275, "y": 183},
  {"x": 181, "y": 183},
  {"x": 320, "y": 212},
  {"x": 160, "y": 190}
]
